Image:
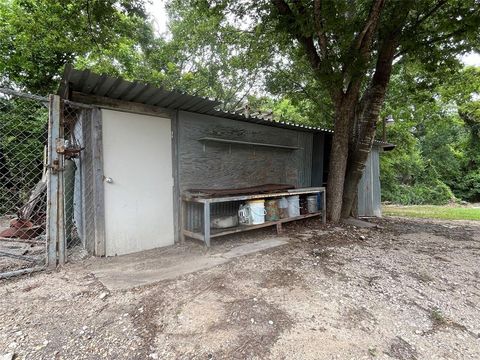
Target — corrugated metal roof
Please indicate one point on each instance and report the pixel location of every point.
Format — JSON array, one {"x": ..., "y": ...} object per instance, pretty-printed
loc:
[{"x": 89, "y": 83}]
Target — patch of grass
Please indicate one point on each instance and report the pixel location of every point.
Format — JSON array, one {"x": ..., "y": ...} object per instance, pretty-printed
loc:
[
  {"x": 433, "y": 212},
  {"x": 373, "y": 351},
  {"x": 437, "y": 317}
]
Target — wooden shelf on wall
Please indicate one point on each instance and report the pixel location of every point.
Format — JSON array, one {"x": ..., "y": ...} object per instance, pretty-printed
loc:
[{"x": 250, "y": 143}]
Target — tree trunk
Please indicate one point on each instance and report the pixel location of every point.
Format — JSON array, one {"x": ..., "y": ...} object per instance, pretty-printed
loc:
[
  {"x": 370, "y": 107},
  {"x": 344, "y": 109}
]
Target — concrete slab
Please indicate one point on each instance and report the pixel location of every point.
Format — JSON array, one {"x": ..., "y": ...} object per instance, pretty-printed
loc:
[{"x": 148, "y": 267}]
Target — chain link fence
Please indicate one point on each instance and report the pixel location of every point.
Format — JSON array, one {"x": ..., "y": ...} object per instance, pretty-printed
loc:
[
  {"x": 23, "y": 182},
  {"x": 77, "y": 177},
  {"x": 46, "y": 182}
]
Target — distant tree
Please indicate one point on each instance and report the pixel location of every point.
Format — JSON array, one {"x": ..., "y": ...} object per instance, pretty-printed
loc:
[{"x": 38, "y": 37}]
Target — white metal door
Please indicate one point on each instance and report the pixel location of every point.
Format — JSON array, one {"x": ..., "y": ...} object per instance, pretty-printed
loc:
[{"x": 137, "y": 157}]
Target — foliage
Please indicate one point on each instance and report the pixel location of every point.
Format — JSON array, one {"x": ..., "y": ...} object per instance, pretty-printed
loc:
[
  {"x": 435, "y": 133},
  {"x": 23, "y": 131},
  {"x": 38, "y": 37},
  {"x": 316, "y": 63}
]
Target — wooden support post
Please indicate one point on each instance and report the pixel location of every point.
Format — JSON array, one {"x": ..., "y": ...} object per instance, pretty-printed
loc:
[
  {"x": 53, "y": 169},
  {"x": 98, "y": 184},
  {"x": 62, "y": 246},
  {"x": 206, "y": 223},
  {"x": 279, "y": 228}
]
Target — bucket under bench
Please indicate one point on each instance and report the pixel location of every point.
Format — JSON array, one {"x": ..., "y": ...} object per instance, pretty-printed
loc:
[{"x": 197, "y": 209}]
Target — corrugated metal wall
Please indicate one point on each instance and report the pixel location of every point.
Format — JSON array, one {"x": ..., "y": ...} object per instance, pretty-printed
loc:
[
  {"x": 207, "y": 164},
  {"x": 369, "y": 194}
]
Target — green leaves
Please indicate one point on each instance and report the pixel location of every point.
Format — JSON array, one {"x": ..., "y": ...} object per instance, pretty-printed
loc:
[
  {"x": 37, "y": 38},
  {"x": 435, "y": 141}
]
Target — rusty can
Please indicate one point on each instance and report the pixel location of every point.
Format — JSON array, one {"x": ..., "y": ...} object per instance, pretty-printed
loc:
[{"x": 271, "y": 208}]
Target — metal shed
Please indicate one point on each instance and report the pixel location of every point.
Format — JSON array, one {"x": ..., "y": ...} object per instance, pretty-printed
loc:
[{"x": 144, "y": 146}]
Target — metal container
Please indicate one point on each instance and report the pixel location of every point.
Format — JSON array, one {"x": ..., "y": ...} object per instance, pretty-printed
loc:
[
  {"x": 312, "y": 204},
  {"x": 283, "y": 208},
  {"x": 272, "y": 210},
  {"x": 253, "y": 212},
  {"x": 293, "y": 206},
  {"x": 257, "y": 211}
]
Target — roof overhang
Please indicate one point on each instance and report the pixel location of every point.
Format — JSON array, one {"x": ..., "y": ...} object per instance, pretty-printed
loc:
[
  {"x": 85, "y": 84},
  {"x": 384, "y": 145}
]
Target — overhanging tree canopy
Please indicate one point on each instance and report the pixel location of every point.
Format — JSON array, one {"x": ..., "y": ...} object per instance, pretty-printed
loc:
[{"x": 346, "y": 49}]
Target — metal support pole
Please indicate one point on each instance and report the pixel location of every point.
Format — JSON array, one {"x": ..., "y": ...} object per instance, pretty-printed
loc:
[{"x": 206, "y": 222}]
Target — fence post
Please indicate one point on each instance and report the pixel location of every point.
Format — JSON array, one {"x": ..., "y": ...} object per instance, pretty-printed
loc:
[{"x": 55, "y": 206}]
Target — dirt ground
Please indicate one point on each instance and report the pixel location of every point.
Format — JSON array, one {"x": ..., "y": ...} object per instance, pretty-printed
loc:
[
  {"x": 20, "y": 254},
  {"x": 408, "y": 289}
]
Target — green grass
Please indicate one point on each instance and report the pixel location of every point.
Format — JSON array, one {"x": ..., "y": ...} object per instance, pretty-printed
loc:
[{"x": 433, "y": 212}]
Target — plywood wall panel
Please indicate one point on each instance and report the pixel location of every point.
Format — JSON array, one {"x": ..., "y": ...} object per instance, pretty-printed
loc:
[{"x": 204, "y": 164}]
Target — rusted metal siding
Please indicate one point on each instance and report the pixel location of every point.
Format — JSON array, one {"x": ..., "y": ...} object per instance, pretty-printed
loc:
[
  {"x": 207, "y": 164},
  {"x": 369, "y": 194}
]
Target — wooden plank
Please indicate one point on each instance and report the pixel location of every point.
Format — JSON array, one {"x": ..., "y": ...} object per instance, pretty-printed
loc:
[
  {"x": 10, "y": 240},
  {"x": 242, "y": 228},
  {"x": 238, "y": 142},
  {"x": 9, "y": 274},
  {"x": 62, "y": 245},
  {"x": 193, "y": 235},
  {"x": 52, "y": 181},
  {"x": 192, "y": 198},
  {"x": 279, "y": 228},
  {"x": 126, "y": 106},
  {"x": 98, "y": 184}
]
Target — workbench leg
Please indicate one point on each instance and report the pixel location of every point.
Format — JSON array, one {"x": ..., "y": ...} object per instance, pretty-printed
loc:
[
  {"x": 206, "y": 223},
  {"x": 279, "y": 228},
  {"x": 324, "y": 207}
]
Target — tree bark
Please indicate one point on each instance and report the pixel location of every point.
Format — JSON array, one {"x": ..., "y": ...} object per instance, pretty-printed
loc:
[
  {"x": 344, "y": 112},
  {"x": 370, "y": 107}
]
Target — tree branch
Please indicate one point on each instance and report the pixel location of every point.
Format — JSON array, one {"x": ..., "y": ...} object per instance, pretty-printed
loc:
[
  {"x": 319, "y": 27},
  {"x": 364, "y": 38},
  {"x": 305, "y": 41},
  {"x": 432, "y": 41},
  {"x": 428, "y": 14}
]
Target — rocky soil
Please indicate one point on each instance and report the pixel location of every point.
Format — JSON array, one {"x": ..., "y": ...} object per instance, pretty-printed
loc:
[{"x": 404, "y": 290}]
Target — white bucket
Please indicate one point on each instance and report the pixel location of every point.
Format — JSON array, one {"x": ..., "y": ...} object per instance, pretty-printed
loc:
[
  {"x": 293, "y": 206},
  {"x": 312, "y": 204},
  {"x": 257, "y": 211}
]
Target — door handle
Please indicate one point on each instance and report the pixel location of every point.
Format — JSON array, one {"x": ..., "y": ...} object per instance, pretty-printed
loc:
[{"x": 108, "y": 179}]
